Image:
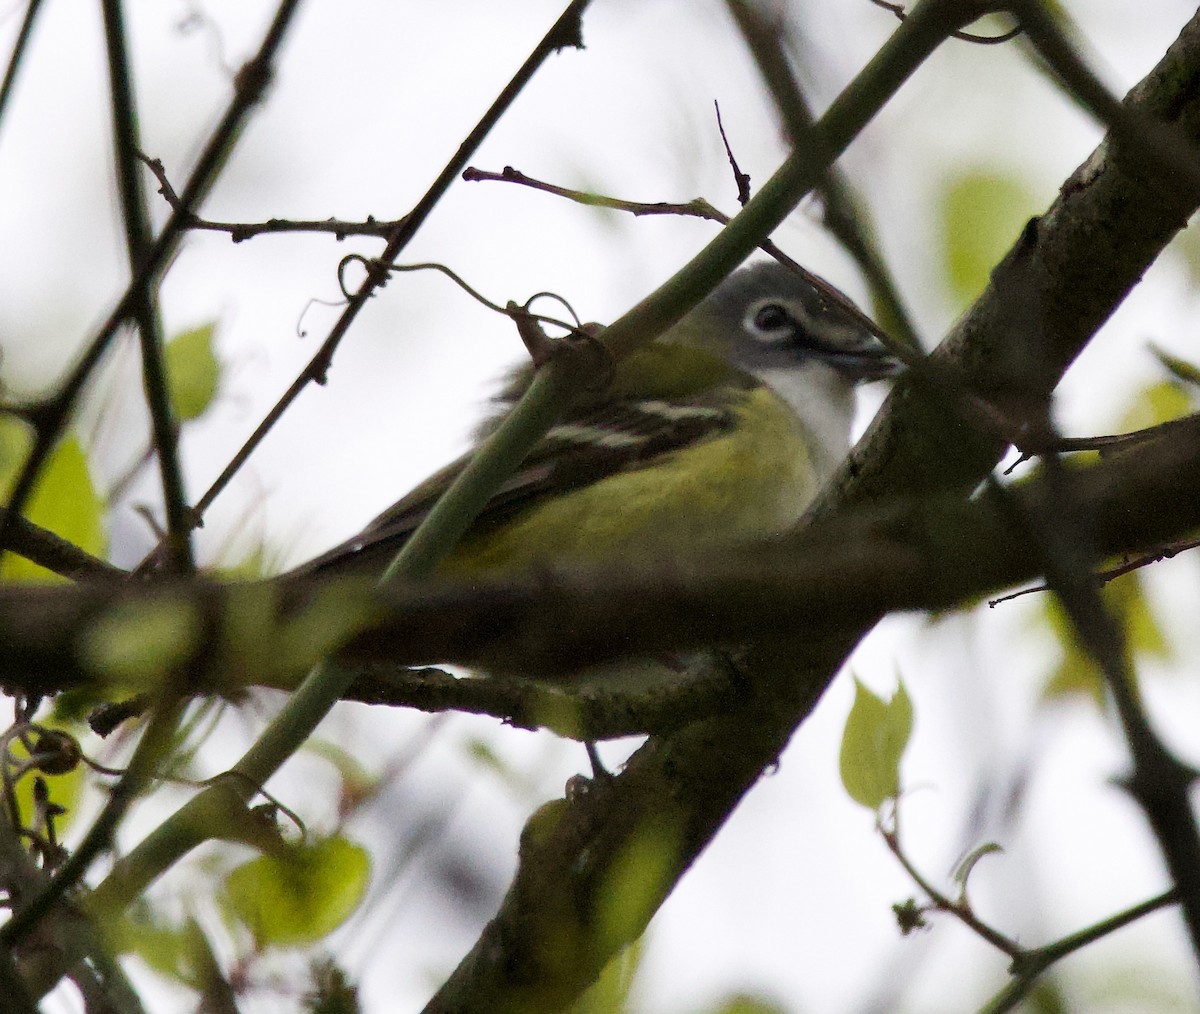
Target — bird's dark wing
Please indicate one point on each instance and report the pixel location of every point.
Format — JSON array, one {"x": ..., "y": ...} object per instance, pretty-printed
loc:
[{"x": 599, "y": 439}]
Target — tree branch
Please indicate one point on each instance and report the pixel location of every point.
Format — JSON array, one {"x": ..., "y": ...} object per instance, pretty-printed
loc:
[{"x": 932, "y": 553}]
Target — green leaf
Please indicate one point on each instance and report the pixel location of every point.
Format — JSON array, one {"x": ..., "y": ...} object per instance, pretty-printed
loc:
[
  {"x": 298, "y": 898},
  {"x": 982, "y": 215},
  {"x": 876, "y": 734},
  {"x": 193, "y": 371},
  {"x": 64, "y": 500}
]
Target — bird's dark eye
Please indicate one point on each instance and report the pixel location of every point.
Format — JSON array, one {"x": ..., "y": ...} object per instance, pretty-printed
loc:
[{"x": 772, "y": 321}]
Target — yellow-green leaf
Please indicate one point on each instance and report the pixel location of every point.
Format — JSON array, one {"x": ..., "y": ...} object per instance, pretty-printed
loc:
[
  {"x": 64, "y": 500},
  {"x": 193, "y": 371},
  {"x": 873, "y": 743},
  {"x": 302, "y": 896},
  {"x": 983, "y": 212}
]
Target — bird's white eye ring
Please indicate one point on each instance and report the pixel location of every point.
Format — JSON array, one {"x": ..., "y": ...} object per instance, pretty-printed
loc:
[{"x": 770, "y": 321}]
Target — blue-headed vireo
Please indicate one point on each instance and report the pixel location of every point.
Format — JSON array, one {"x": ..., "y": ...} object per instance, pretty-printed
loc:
[{"x": 720, "y": 431}]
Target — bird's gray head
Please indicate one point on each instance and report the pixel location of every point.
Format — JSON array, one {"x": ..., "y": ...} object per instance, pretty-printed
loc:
[
  {"x": 802, "y": 338},
  {"x": 766, "y": 318}
]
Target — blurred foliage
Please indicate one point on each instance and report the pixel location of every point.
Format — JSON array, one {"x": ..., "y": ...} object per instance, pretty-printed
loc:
[
  {"x": 982, "y": 214},
  {"x": 300, "y": 895},
  {"x": 357, "y": 783},
  {"x": 1158, "y": 403},
  {"x": 176, "y": 951},
  {"x": 1181, "y": 369},
  {"x": 1186, "y": 246},
  {"x": 1046, "y": 997},
  {"x": 873, "y": 743},
  {"x": 1125, "y": 596},
  {"x": 135, "y": 645},
  {"x": 1124, "y": 987},
  {"x": 1075, "y": 672},
  {"x": 746, "y": 1004},
  {"x": 193, "y": 371},
  {"x": 64, "y": 500}
]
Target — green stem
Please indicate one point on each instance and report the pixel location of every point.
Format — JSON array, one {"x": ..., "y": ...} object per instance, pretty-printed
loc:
[{"x": 1029, "y": 965}]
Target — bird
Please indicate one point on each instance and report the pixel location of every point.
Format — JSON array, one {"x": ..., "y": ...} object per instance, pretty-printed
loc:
[{"x": 720, "y": 431}]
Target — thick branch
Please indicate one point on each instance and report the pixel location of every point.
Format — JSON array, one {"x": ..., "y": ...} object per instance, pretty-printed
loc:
[{"x": 913, "y": 554}]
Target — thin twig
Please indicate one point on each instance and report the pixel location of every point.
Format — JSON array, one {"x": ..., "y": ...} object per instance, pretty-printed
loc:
[
  {"x": 1106, "y": 443},
  {"x": 1032, "y": 963},
  {"x": 741, "y": 180},
  {"x": 844, "y": 215},
  {"x": 961, "y": 910},
  {"x": 1168, "y": 552},
  {"x": 138, "y": 241},
  {"x": 56, "y": 554},
  {"x": 20, "y": 47},
  {"x": 241, "y": 231},
  {"x": 698, "y": 208}
]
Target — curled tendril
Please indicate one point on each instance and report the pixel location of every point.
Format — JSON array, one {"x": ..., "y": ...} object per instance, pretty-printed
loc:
[
  {"x": 979, "y": 40},
  {"x": 562, "y": 302},
  {"x": 273, "y": 805},
  {"x": 370, "y": 264},
  {"x": 576, "y": 329}
]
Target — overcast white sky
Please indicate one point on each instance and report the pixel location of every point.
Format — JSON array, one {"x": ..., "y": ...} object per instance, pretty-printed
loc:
[{"x": 792, "y": 900}]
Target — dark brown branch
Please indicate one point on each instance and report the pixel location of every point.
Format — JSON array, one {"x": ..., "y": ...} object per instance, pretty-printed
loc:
[{"x": 56, "y": 554}]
